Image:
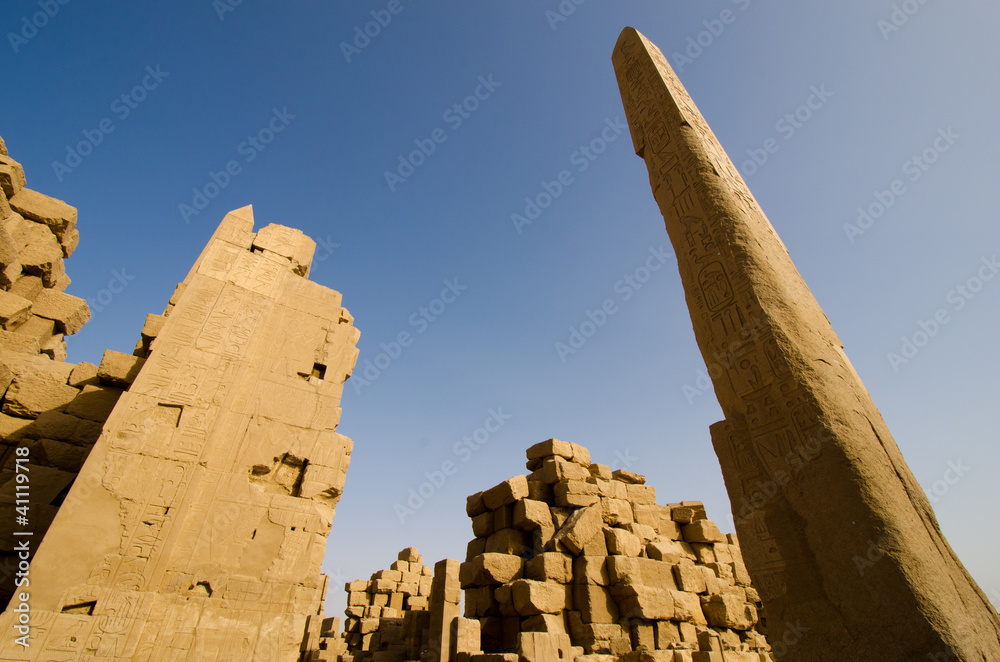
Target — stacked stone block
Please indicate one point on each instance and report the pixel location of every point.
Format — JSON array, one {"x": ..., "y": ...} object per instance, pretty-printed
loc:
[
  {"x": 36, "y": 233},
  {"x": 578, "y": 561},
  {"x": 51, "y": 412},
  {"x": 196, "y": 527},
  {"x": 387, "y": 615}
]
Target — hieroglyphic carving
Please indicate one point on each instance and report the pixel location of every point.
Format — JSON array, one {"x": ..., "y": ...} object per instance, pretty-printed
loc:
[
  {"x": 189, "y": 555},
  {"x": 812, "y": 472}
]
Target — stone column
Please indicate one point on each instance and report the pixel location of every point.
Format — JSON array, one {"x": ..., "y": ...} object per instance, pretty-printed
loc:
[{"x": 838, "y": 536}]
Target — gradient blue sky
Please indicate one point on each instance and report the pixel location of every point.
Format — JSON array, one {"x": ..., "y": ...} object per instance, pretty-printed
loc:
[{"x": 494, "y": 347}]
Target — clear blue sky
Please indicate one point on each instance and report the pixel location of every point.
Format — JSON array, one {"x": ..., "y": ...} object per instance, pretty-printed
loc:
[{"x": 545, "y": 88}]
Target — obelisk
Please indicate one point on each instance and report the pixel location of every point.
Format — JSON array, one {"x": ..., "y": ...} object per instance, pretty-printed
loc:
[{"x": 836, "y": 532}]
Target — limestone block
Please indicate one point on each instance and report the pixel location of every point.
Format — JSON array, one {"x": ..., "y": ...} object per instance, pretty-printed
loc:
[
  {"x": 583, "y": 525},
  {"x": 40, "y": 329},
  {"x": 69, "y": 313},
  {"x": 600, "y": 471},
  {"x": 29, "y": 395},
  {"x": 118, "y": 369},
  {"x": 28, "y": 287},
  {"x": 18, "y": 343},
  {"x": 467, "y": 636},
  {"x": 705, "y": 553},
  {"x": 43, "y": 255},
  {"x": 641, "y": 494},
  {"x": 702, "y": 531},
  {"x": 151, "y": 328},
  {"x": 594, "y": 603},
  {"x": 94, "y": 402},
  {"x": 288, "y": 243},
  {"x": 616, "y": 511},
  {"x": 550, "y": 566},
  {"x": 533, "y": 597},
  {"x": 11, "y": 427},
  {"x": 506, "y": 492},
  {"x": 391, "y": 575},
  {"x": 508, "y": 541},
  {"x": 554, "y": 623},
  {"x": 668, "y": 636},
  {"x": 538, "y": 491},
  {"x": 554, "y": 447},
  {"x": 628, "y": 477},
  {"x": 687, "y": 607},
  {"x": 669, "y": 550},
  {"x": 11, "y": 176},
  {"x": 622, "y": 542},
  {"x": 543, "y": 647},
  {"x": 740, "y": 573},
  {"x": 612, "y": 489},
  {"x": 6, "y": 377},
  {"x": 557, "y": 468},
  {"x": 590, "y": 570},
  {"x": 482, "y": 524},
  {"x": 643, "y": 635},
  {"x": 490, "y": 568},
  {"x": 728, "y": 611},
  {"x": 689, "y": 577},
  {"x": 503, "y": 517},
  {"x": 530, "y": 514},
  {"x": 596, "y": 546},
  {"x": 69, "y": 240},
  {"x": 475, "y": 547},
  {"x": 669, "y": 529},
  {"x": 56, "y": 214},
  {"x": 575, "y": 493},
  {"x": 504, "y": 597},
  {"x": 14, "y": 310},
  {"x": 641, "y": 601}
]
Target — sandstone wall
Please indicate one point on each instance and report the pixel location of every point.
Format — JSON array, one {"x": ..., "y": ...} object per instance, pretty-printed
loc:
[{"x": 197, "y": 526}]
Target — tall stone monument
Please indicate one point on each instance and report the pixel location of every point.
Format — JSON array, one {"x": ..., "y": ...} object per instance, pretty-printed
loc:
[
  {"x": 196, "y": 527},
  {"x": 836, "y": 532}
]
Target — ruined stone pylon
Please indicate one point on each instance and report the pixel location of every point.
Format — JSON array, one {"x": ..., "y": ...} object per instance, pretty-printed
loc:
[
  {"x": 836, "y": 532},
  {"x": 196, "y": 528}
]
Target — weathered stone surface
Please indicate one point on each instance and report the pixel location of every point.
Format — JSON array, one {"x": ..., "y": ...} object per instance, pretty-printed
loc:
[
  {"x": 506, "y": 493},
  {"x": 535, "y": 597},
  {"x": 702, "y": 531},
  {"x": 794, "y": 388},
  {"x": 11, "y": 176},
  {"x": 490, "y": 568},
  {"x": 13, "y": 309},
  {"x": 205, "y": 505},
  {"x": 118, "y": 369},
  {"x": 83, "y": 374},
  {"x": 622, "y": 542},
  {"x": 59, "y": 216},
  {"x": 551, "y": 567},
  {"x": 582, "y": 526},
  {"x": 27, "y": 287},
  {"x": 43, "y": 255},
  {"x": 69, "y": 313},
  {"x": 29, "y": 395}
]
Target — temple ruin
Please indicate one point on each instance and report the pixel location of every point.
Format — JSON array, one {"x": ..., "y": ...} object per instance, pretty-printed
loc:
[{"x": 180, "y": 496}]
